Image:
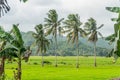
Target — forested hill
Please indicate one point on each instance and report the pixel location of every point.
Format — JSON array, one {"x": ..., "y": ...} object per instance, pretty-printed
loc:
[{"x": 86, "y": 48}]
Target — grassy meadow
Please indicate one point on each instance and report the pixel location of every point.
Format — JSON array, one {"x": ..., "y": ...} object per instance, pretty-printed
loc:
[{"x": 66, "y": 69}]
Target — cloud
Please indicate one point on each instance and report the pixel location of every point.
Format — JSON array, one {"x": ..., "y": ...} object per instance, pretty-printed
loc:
[
  {"x": 45, "y": 2},
  {"x": 34, "y": 11}
]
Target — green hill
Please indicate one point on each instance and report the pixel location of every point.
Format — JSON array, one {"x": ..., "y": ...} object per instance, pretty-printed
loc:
[{"x": 64, "y": 49}]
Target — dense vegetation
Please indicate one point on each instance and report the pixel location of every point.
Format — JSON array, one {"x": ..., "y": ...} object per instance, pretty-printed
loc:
[{"x": 68, "y": 49}]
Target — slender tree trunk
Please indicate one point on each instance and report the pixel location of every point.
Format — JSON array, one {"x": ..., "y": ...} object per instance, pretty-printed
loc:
[
  {"x": 77, "y": 64},
  {"x": 56, "y": 52},
  {"x": 56, "y": 46},
  {"x": 95, "y": 64},
  {"x": 42, "y": 61},
  {"x": 19, "y": 73}
]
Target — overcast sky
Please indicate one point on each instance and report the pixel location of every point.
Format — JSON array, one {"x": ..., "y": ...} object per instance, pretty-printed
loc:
[{"x": 34, "y": 11}]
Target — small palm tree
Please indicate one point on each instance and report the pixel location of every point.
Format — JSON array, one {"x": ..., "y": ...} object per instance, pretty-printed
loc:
[
  {"x": 52, "y": 25},
  {"x": 91, "y": 27},
  {"x": 41, "y": 42},
  {"x": 72, "y": 27}
]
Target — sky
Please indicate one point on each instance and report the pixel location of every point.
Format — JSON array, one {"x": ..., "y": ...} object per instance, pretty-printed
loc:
[{"x": 33, "y": 12}]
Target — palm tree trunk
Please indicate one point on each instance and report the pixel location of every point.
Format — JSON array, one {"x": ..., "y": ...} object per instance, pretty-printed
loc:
[
  {"x": 42, "y": 61},
  {"x": 95, "y": 64},
  {"x": 19, "y": 73},
  {"x": 56, "y": 46},
  {"x": 56, "y": 52},
  {"x": 77, "y": 64}
]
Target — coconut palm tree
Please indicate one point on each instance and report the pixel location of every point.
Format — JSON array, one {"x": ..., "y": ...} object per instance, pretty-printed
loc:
[
  {"x": 91, "y": 27},
  {"x": 52, "y": 24},
  {"x": 72, "y": 27},
  {"x": 41, "y": 42},
  {"x": 4, "y": 6}
]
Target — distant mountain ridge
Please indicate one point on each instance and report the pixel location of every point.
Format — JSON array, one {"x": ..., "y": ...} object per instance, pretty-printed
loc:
[
  {"x": 69, "y": 49},
  {"x": 28, "y": 39}
]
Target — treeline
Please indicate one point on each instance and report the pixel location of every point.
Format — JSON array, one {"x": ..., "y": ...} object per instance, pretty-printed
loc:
[{"x": 68, "y": 49}]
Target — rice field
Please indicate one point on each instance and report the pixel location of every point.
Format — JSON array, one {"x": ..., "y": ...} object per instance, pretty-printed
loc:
[{"x": 66, "y": 69}]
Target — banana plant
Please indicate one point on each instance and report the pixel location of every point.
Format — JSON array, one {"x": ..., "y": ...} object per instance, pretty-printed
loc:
[
  {"x": 116, "y": 35},
  {"x": 5, "y": 37},
  {"x": 18, "y": 44},
  {"x": 15, "y": 48}
]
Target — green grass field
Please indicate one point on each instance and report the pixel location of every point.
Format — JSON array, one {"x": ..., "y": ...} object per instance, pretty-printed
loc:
[{"x": 66, "y": 69}]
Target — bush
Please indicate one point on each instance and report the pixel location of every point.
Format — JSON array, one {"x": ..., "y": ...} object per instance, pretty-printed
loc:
[
  {"x": 63, "y": 63},
  {"x": 35, "y": 63},
  {"x": 47, "y": 62}
]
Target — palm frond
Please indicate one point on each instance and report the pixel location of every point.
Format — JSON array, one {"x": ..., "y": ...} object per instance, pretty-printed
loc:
[
  {"x": 49, "y": 31},
  {"x": 93, "y": 37},
  {"x": 100, "y": 35},
  {"x": 60, "y": 21},
  {"x": 114, "y": 19},
  {"x": 100, "y": 26},
  {"x": 82, "y": 32},
  {"x": 24, "y": 0},
  {"x": 69, "y": 36},
  {"x": 4, "y": 7},
  {"x": 113, "y": 9},
  {"x": 35, "y": 35}
]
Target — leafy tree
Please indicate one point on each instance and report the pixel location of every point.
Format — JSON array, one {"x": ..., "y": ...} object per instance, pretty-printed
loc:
[
  {"x": 72, "y": 27},
  {"x": 40, "y": 40},
  {"x": 116, "y": 36},
  {"x": 4, "y": 6},
  {"x": 92, "y": 29},
  {"x": 52, "y": 25}
]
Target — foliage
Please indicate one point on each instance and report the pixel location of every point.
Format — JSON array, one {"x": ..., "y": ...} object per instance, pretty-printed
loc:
[
  {"x": 116, "y": 35},
  {"x": 52, "y": 23},
  {"x": 40, "y": 40},
  {"x": 92, "y": 30},
  {"x": 4, "y": 6},
  {"x": 72, "y": 26}
]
